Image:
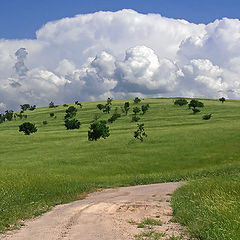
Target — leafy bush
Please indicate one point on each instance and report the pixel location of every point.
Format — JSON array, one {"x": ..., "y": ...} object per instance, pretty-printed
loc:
[
  {"x": 126, "y": 107},
  {"x": 140, "y": 133},
  {"x": 207, "y": 116},
  {"x": 181, "y": 102},
  {"x": 195, "y": 110},
  {"x": 107, "y": 109},
  {"x": 145, "y": 108},
  {"x": 27, "y": 128},
  {"x": 136, "y": 110},
  {"x": 100, "y": 106},
  {"x": 114, "y": 117},
  {"x": 51, "y": 105},
  {"x": 72, "y": 124},
  {"x": 222, "y": 99},
  {"x": 25, "y": 107},
  {"x": 9, "y": 115},
  {"x": 71, "y": 112},
  {"x": 2, "y": 118},
  {"x": 109, "y": 101},
  {"x": 137, "y": 100},
  {"x": 45, "y": 122},
  {"x": 32, "y": 108},
  {"x": 135, "y": 118},
  {"x": 97, "y": 130},
  {"x": 195, "y": 103},
  {"x": 51, "y": 114},
  {"x": 65, "y": 105}
]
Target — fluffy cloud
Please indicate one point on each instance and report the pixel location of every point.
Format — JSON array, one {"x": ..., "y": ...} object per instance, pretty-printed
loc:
[{"x": 120, "y": 54}]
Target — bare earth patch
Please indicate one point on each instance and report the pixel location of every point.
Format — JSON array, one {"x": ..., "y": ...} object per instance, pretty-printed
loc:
[{"x": 139, "y": 212}]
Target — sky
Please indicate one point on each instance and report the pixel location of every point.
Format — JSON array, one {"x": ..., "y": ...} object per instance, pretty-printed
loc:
[{"x": 71, "y": 50}]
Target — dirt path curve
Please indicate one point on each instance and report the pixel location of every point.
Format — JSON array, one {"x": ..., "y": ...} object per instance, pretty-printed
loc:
[{"x": 111, "y": 214}]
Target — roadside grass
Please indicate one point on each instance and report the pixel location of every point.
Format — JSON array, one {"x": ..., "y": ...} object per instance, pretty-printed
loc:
[
  {"x": 149, "y": 222},
  {"x": 56, "y": 165},
  {"x": 210, "y": 208}
]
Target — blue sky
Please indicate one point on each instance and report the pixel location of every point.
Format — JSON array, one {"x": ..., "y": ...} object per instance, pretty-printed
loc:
[{"x": 21, "y": 18}]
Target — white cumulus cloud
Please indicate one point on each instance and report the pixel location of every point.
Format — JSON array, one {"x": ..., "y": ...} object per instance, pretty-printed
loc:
[{"x": 120, "y": 54}]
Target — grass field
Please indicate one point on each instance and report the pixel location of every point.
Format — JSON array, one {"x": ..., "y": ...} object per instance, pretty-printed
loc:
[{"x": 56, "y": 165}]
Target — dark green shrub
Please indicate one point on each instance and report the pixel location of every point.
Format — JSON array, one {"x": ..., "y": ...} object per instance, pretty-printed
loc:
[
  {"x": 180, "y": 102},
  {"x": 71, "y": 112},
  {"x": 126, "y": 107},
  {"x": 65, "y": 105},
  {"x": 107, "y": 109},
  {"x": 222, "y": 99},
  {"x": 9, "y": 115},
  {"x": 145, "y": 108},
  {"x": 2, "y": 118},
  {"x": 25, "y": 107},
  {"x": 195, "y": 110},
  {"x": 140, "y": 133},
  {"x": 135, "y": 118},
  {"x": 51, "y": 114},
  {"x": 137, "y": 100},
  {"x": 195, "y": 103},
  {"x": 100, "y": 106},
  {"x": 207, "y": 116},
  {"x": 27, "y": 128},
  {"x": 98, "y": 130},
  {"x": 114, "y": 117},
  {"x": 51, "y": 105},
  {"x": 109, "y": 101},
  {"x": 32, "y": 108},
  {"x": 72, "y": 124},
  {"x": 45, "y": 122},
  {"x": 136, "y": 110}
]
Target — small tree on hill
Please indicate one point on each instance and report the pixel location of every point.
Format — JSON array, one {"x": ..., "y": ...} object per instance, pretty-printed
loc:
[
  {"x": 71, "y": 112},
  {"x": 2, "y": 118},
  {"x": 207, "y": 116},
  {"x": 145, "y": 108},
  {"x": 222, "y": 99},
  {"x": 126, "y": 107},
  {"x": 100, "y": 106},
  {"x": 97, "y": 130},
  {"x": 51, "y": 105},
  {"x": 109, "y": 101},
  {"x": 195, "y": 103},
  {"x": 114, "y": 117},
  {"x": 107, "y": 109},
  {"x": 25, "y": 107},
  {"x": 72, "y": 124},
  {"x": 137, "y": 100},
  {"x": 27, "y": 128},
  {"x": 140, "y": 133},
  {"x": 195, "y": 110},
  {"x": 180, "y": 102},
  {"x": 9, "y": 115},
  {"x": 32, "y": 108}
]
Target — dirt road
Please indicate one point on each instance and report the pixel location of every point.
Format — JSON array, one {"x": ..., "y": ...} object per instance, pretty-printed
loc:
[{"x": 111, "y": 214}]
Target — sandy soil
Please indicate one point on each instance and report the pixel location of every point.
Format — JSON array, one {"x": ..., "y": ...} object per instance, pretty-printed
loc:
[{"x": 111, "y": 214}]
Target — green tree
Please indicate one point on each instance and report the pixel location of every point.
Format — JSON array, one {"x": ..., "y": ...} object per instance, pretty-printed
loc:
[
  {"x": 72, "y": 124},
  {"x": 195, "y": 103},
  {"x": 222, "y": 99},
  {"x": 9, "y": 115},
  {"x": 137, "y": 100},
  {"x": 126, "y": 107},
  {"x": 27, "y": 128},
  {"x": 25, "y": 107},
  {"x": 180, "y": 102},
  {"x": 145, "y": 108},
  {"x": 51, "y": 105},
  {"x": 71, "y": 112},
  {"x": 140, "y": 133},
  {"x": 98, "y": 130}
]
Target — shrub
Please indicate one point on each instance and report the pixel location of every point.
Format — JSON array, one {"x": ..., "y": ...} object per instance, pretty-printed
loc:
[
  {"x": 140, "y": 133},
  {"x": 25, "y": 107},
  {"x": 9, "y": 115},
  {"x": 137, "y": 100},
  {"x": 27, "y": 128},
  {"x": 222, "y": 99},
  {"x": 195, "y": 103},
  {"x": 65, "y": 105},
  {"x": 32, "y": 108},
  {"x": 109, "y": 101},
  {"x": 181, "y": 102},
  {"x": 2, "y": 118},
  {"x": 51, "y": 105},
  {"x": 72, "y": 124},
  {"x": 71, "y": 112},
  {"x": 107, "y": 109},
  {"x": 51, "y": 114},
  {"x": 45, "y": 122},
  {"x": 100, "y": 107},
  {"x": 114, "y": 117},
  {"x": 97, "y": 130},
  {"x": 135, "y": 118},
  {"x": 136, "y": 110},
  {"x": 126, "y": 107},
  {"x": 195, "y": 110},
  {"x": 207, "y": 116},
  {"x": 145, "y": 108}
]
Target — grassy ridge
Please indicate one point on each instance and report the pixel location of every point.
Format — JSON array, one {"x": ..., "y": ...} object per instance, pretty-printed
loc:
[{"x": 54, "y": 165}]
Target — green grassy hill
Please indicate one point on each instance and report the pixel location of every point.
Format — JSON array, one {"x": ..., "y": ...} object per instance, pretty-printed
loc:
[{"x": 56, "y": 165}]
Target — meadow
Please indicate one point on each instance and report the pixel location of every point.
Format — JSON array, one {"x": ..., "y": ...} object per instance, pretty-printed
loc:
[{"x": 55, "y": 165}]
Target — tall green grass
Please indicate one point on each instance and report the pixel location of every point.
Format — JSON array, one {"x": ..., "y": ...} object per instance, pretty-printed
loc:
[{"x": 56, "y": 165}]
